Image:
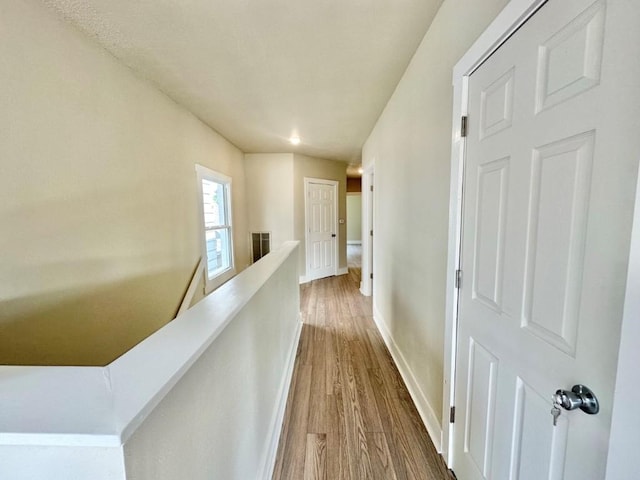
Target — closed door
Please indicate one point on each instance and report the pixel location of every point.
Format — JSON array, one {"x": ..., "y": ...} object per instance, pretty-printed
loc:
[
  {"x": 321, "y": 237},
  {"x": 550, "y": 170}
]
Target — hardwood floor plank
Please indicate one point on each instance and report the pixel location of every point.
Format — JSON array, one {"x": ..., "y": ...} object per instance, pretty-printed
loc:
[
  {"x": 337, "y": 450},
  {"x": 294, "y": 450},
  {"x": 366, "y": 399},
  {"x": 307, "y": 298},
  {"x": 397, "y": 443},
  {"x": 332, "y": 374},
  {"x": 418, "y": 436},
  {"x": 318, "y": 408},
  {"x": 408, "y": 457},
  {"x": 305, "y": 346},
  {"x": 381, "y": 462},
  {"x": 337, "y": 457},
  {"x": 360, "y": 465},
  {"x": 315, "y": 463},
  {"x": 384, "y": 361}
]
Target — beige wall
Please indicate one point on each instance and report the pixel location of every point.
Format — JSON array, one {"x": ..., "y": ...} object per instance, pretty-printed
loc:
[
  {"x": 328, "y": 170},
  {"x": 269, "y": 180},
  {"x": 354, "y": 217},
  {"x": 411, "y": 146},
  {"x": 97, "y": 196}
]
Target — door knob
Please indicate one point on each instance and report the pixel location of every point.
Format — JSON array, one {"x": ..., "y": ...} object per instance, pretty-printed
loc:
[
  {"x": 333, "y": 235},
  {"x": 578, "y": 397}
]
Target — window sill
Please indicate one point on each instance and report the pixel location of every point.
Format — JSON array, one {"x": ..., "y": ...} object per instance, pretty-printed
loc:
[{"x": 219, "y": 280}]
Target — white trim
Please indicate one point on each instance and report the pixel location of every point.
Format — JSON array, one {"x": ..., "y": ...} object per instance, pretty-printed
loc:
[
  {"x": 335, "y": 184},
  {"x": 368, "y": 205},
  {"x": 426, "y": 411},
  {"x": 508, "y": 21},
  {"x": 343, "y": 271},
  {"x": 622, "y": 459},
  {"x": 269, "y": 463},
  {"x": 512, "y": 17},
  {"x": 205, "y": 173},
  {"x": 354, "y": 242},
  {"x": 198, "y": 275}
]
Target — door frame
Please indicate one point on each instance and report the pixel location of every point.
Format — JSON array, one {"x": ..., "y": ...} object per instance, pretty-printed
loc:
[
  {"x": 622, "y": 436},
  {"x": 336, "y": 239},
  {"x": 368, "y": 205}
]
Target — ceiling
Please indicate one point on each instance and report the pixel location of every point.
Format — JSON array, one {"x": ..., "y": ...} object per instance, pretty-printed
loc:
[{"x": 260, "y": 71}]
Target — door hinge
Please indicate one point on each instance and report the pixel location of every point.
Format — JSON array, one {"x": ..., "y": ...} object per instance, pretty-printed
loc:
[
  {"x": 463, "y": 126},
  {"x": 371, "y": 188},
  {"x": 371, "y": 233},
  {"x": 458, "y": 278},
  {"x": 371, "y": 276},
  {"x": 452, "y": 415}
]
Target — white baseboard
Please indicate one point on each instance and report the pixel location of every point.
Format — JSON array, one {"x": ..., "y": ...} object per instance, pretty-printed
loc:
[
  {"x": 429, "y": 417},
  {"x": 266, "y": 472},
  {"x": 354, "y": 242},
  {"x": 343, "y": 271},
  {"x": 304, "y": 279}
]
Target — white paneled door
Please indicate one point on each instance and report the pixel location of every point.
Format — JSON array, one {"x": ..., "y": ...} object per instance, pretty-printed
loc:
[
  {"x": 322, "y": 228},
  {"x": 550, "y": 171}
]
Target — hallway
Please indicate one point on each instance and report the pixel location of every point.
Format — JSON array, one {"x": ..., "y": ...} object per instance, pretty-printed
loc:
[{"x": 349, "y": 415}]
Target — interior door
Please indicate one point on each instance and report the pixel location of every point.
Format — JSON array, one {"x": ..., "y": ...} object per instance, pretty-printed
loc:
[
  {"x": 321, "y": 228},
  {"x": 550, "y": 170}
]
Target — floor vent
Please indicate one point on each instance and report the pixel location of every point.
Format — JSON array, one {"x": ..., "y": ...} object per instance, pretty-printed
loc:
[{"x": 260, "y": 245}]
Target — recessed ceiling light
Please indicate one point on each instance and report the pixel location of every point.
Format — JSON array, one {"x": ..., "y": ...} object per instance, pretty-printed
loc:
[{"x": 295, "y": 140}]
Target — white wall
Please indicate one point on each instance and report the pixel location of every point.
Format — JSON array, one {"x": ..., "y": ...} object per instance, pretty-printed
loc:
[
  {"x": 411, "y": 145},
  {"x": 269, "y": 178},
  {"x": 98, "y": 201},
  {"x": 223, "y": 419},
  {"x": 354, "y": 218}
]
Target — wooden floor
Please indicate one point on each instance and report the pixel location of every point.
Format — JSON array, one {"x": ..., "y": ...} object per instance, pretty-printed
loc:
[{"x": 349, "y": 415}]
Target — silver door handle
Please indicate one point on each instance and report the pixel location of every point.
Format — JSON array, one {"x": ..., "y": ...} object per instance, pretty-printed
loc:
[{"x": 578, "y": 397}]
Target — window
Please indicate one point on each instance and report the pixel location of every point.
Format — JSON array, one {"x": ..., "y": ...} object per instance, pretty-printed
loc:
[{"x": 217, "y": 235}]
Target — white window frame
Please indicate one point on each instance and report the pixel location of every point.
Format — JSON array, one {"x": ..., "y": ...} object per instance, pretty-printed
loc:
[{"x": 204, "y": 173}]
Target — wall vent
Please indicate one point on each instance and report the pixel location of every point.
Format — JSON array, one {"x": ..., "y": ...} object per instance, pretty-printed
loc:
[{"x": 260, "y": 245}]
